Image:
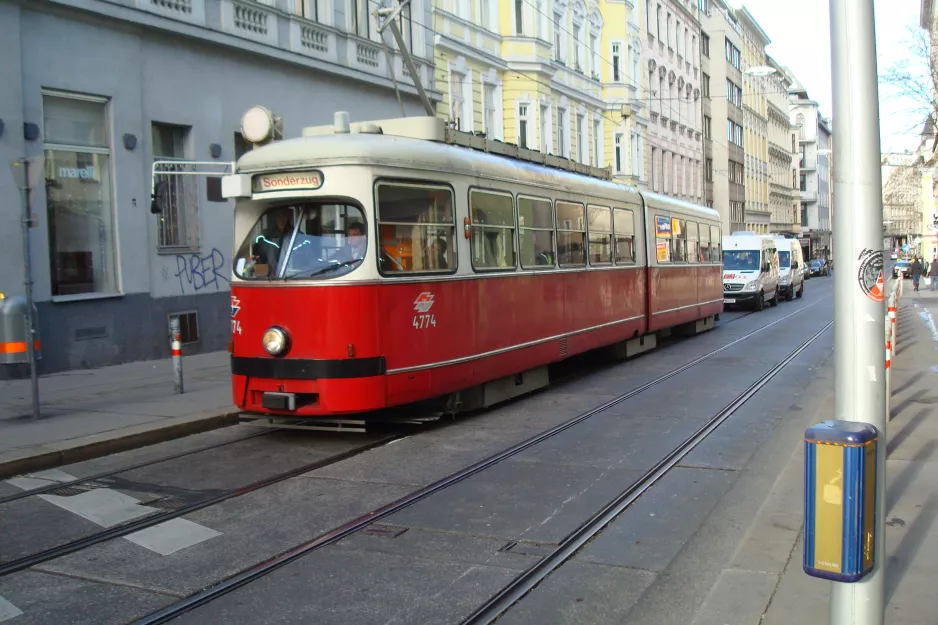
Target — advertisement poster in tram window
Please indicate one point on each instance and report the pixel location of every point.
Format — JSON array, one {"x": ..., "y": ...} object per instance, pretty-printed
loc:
[
  {"x": 662, "y": 227},
  {"x": 676, "y": 228},
  {"x": 664, "y": 249}
]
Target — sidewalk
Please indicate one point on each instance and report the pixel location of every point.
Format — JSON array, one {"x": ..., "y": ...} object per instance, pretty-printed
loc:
[
  {"x": 88, "y": 413},
  {"x": 911, "y": 557}
]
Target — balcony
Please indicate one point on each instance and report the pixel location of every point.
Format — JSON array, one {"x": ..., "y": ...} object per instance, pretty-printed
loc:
[
  {"x": 271, "y": 28},
  {"x": 808, "y": 196}
]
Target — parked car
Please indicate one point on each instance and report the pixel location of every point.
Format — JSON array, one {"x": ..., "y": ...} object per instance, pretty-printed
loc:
[
  {"x": 903, "y": 267},
  {"x": 818, "y": 267}
]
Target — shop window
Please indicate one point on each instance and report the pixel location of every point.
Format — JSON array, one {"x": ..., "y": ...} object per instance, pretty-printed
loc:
[
  {"x": 417, "y": 229},
  {"x": 179, "y": 221},
  {"x": 493, "y": 230},
  {"x": 600, "y": 235},
  {"x": 624, "y": 230},
  {"x": 82, "y": 251},
  {"x": 571, "y": 234},
  {"x": 536, "y": 229}
]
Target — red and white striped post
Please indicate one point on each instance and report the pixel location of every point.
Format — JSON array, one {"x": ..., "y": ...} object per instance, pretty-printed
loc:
[
  {"x": 176, "y": 349},
  {"x": 888, "y": 378}
]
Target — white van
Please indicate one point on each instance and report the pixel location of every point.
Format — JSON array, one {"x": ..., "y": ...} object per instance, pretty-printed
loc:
[
  {"x": 750, "y": 270},
  {"x": 790, "y": 267}
]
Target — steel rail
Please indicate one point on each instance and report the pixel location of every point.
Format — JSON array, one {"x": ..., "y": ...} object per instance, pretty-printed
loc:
[
  {"x": 149, "y": 521},
  {"x": 527, "y": 581},
  {"x": 338, "y": 533}
]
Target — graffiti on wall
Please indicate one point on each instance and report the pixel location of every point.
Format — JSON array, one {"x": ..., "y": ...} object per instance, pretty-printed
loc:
[{"x": 198, "y": 272}]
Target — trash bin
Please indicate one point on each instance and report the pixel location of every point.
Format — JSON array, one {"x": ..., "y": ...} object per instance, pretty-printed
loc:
[
  {"x": 840, "y": 500},
  {"x": 13, "y": 331}
]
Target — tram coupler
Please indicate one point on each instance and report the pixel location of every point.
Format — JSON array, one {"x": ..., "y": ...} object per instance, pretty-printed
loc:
[{"x": 840, "y": 500}]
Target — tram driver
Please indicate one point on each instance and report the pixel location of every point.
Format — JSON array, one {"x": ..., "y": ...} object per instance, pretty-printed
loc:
[
  {"x": 356, "y": 243},
  {"x": 268, "y": 246}
]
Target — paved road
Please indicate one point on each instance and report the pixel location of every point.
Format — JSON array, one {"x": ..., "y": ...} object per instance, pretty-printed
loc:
[{"x": 439, "y": 559}]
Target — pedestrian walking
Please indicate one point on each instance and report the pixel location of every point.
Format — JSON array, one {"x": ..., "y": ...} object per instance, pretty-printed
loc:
[
  {"x": 917, "y": 269},
  {"x": 933, "y": 275}
]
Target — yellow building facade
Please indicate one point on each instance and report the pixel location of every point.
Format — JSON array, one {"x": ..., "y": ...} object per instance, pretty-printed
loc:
[
  {"x": 758, "y": 213},
  {"x": 549, "y": 75}
]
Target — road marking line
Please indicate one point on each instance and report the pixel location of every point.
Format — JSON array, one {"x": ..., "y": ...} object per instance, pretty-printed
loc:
[
  {"x": 172, "y": 536},
  {"x": 8, "y": 610},
  {"x": 107, "y": 508}
]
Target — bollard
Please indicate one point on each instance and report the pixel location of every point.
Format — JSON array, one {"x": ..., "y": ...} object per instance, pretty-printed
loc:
[
  {"x": 888, "y": 379},
  {"x": 176, "y": 349}
]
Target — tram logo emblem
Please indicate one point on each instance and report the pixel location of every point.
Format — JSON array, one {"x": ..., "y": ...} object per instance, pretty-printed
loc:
[
  {"x": 235, "y": 306},
  {"x": 424, "y": 302}
]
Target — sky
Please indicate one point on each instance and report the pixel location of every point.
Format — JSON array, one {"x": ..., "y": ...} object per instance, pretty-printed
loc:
[{"x": 800, "y": 34}]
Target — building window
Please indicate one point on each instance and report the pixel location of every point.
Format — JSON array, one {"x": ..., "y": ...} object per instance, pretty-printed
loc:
[
  {"x": 654, "y": 169},
  {"x": 670, "y": 33},
  {"x": 739, "y": 135},
  {"x": 563, "y": 144},
  {"x": 706, "y": 127},
  {"x": 594, "y": 55},
  {"x": 360, "y": 23},
  {"x": 794, "y": 180},
  {"x": 179, "y": 221},
  {"x": 577, "y": 44},
  {"x": 804, "y": 182},
  {"x": 793, "y": 148},
  {"x": 635, "y": 146},
  {"x": 799, "y": 120},
  {"x": 597, "y": 143},
  {"x": 488, "y": 109},
  {"x": 188, "y": 326},
  {"x": 658, "y": 23},
  {"x": 545, "y": 129},
  {"x": 617, "y": 62},
  {"x": 617, "y": 152},
  {"x": 709, "y": 169},
  {"x": 523, "y": 125},
  {"x": 78, "y": 195},
  {"x": 456, "y": 101},
  {"x": 804, "y": 214},
  {"x": 580, "y": 140},
  {"x": 519, "y": 17},
  {"x": 732, "y": 55},
  {"x": 705, "y": 85},
  {"x": 309, "y": 9},
  {"x": 559, "y": 39},
  {"x": 705, "y": 45}
]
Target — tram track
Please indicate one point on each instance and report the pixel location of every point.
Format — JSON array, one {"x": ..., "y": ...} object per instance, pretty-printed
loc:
[
  {"x": 539, "y": 571},
  {"x": 151, "y": 520},
  {"x": 342, "y": 531}
]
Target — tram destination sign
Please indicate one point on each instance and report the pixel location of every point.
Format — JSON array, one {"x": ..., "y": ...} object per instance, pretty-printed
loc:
[{"x": 288, "y": 181}]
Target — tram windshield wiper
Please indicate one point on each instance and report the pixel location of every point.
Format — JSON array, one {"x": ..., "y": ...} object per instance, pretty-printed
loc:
[{"x": 305, "y": 273}]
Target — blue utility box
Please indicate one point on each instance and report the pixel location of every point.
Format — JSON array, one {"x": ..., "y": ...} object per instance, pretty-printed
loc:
[{"x": 840, "y": 500}]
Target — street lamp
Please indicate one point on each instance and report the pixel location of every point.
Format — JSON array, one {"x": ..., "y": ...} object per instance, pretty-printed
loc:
[{"x": 760, "y": 70}]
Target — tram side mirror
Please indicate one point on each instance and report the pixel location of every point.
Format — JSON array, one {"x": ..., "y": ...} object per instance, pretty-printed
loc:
[{"x": 159, "y": 198}]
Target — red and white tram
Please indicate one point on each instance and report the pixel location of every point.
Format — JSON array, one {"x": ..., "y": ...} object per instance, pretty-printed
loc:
[{"x": 384, "y": 263}]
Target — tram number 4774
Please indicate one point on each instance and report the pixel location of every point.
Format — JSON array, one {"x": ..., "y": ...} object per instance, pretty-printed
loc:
[{"x": 422, "y": 322}]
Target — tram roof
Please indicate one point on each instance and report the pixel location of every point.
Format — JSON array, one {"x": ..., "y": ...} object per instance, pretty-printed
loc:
[{"x": 437, "y": 152}]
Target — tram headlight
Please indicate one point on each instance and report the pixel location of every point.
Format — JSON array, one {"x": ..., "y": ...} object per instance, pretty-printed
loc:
[{"x": 276, "y": 341}]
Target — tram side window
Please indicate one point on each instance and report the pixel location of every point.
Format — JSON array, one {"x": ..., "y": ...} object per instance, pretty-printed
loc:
[
  {"x": 536, "y": 227},
  {"x": 600, "y": 235},
  {"x": 624, "y": 227},
  {"x": 493, "y": 230},
  {"x": 416, "y": 228},
  {"x": 678, "y": 238},
  {"x": 663, "y": 238},
  {"x": 704, "y": 243},
  {"x": 716, "y": 254},
  {"x": 692, "y": 242},
  {"x": 571, "y": 234}
]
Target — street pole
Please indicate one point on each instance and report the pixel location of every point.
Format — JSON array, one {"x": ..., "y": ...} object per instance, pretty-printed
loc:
[
  {"x": 859, "y": 367},
  {"x": 28, "y": 283}
]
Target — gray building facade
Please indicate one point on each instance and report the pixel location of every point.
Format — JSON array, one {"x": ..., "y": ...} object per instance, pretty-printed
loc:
[{"x": 96, "y": 90}]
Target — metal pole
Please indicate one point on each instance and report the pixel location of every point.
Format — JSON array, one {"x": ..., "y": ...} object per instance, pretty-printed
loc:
[
  {"x": 176, "y": 348},
  {"x": 27, "y": 269},
  {"x": 858, "y": 306}
]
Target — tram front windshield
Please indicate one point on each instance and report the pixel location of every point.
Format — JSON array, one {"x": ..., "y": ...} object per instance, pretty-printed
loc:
[
  {"x": 741, "y": 260},
  {"x": 303, "y": 241}
]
